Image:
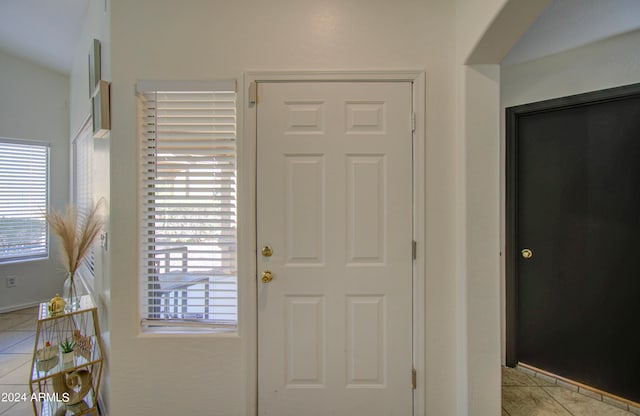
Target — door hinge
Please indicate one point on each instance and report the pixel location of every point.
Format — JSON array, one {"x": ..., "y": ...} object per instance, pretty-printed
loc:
[
  {"x": 253, "y": 93},
  {"x": 414, "y": 249},
  {"x": 413, "y": 122},
  {"x": 414, "y": 378}
]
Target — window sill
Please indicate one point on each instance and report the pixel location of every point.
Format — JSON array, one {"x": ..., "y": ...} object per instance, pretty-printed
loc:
[
  {"x": 8, "y": 262},
  {"x": 170, "y": 332}
]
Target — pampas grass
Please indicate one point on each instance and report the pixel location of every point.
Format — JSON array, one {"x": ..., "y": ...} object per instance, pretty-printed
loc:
[{"x": 76, "y": 239}]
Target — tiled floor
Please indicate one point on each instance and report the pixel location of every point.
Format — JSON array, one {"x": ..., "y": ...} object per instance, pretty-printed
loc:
[
  {"x": 17, "y": 336},
  {"x": 524, "y": 395}
]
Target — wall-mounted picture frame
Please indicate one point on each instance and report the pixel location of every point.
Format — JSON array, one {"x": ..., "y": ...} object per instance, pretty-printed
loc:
[
  {"x": 100, "y": 105},
  {"x": 94, "y": 66}
]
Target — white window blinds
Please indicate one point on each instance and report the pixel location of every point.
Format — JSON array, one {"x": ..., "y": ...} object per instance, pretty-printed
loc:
[
  {"x": 83, "y": 188},
  {"x": 24, "y": 195},
  {"x": 188, "y": 204}
]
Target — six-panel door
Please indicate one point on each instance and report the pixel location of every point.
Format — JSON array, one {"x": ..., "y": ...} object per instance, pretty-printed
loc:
[{"x": 334, "y": 203}]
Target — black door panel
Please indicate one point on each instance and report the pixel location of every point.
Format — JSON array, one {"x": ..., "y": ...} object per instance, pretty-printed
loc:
[{"x": 574, "y": 201}]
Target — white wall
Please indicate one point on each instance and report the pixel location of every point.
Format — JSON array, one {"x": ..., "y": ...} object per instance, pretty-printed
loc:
[
  {"x": 606, "y": 64},
  {"x": 34, "y": 105},
  {"x": 95, "y": 26},
  {"x": 480, "y": 49},
  {"x": 196, "y": 39},
  {"x": 609, "y": 63}
]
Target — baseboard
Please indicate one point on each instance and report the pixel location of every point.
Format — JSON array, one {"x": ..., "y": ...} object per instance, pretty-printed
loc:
[
  {"x": 592, "y": 392},
  {"x": 14, "y": 308}
]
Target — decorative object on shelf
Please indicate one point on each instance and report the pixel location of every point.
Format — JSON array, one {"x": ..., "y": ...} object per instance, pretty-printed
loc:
[
  {"x": 75, "y": 384},
  {"x": 66, "y": 347},
  {"x": 73, "y": 291},
  {"x": 76, "y": 239},
  {"x": 56, "y": 305},
  {"x": 101, "y": 111},
  {"x": 82, "y": 344},
  {"x": 47, "y": 353},
  {"x": 46, "y": 365}
]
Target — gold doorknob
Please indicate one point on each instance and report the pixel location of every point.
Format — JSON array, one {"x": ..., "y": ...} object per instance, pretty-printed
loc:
[
  {"x": 267, "y": 276},
  {"x": 526, "y": 253},
  {"x": 267, "y": 251}
]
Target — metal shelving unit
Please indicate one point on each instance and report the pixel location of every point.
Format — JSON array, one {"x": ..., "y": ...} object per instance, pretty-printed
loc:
[{"x": 65, "y": 386}]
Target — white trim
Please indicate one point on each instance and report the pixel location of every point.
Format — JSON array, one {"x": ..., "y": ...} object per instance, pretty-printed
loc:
[
  {"x": 87, "y": 282},
  {"x": 168, "y": 147},
  {"x": 419, "y": 235},
  {"x": 215, "y": 85},
  {"x": 72, "y": 172},
  {"x": 14, "y": 308},
  {"x": 83, "y": 125},
  {"x": 247, "y": 308},
  {"x": 26, "y": 142}
]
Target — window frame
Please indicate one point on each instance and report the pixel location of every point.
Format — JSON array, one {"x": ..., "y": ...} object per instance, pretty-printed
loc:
[
  {"x": 46, "y": 246},
  {"x": 151, "y": 321},
  {"x": 82, "y": 189}
]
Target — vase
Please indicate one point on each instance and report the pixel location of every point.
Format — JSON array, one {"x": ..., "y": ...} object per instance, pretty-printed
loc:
[
  {"x": 67, "y": 359},
  {"x": 72, "y": 293}
]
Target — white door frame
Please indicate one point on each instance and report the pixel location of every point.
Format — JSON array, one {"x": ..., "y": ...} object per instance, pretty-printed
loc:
[{"x": 247, "y": 211}]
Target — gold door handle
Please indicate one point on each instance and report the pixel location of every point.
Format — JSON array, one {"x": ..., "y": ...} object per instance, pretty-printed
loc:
[
  {"x": 526, "y": 253},
  {"x": 267, "y": 276},
  {"x": 267, "y": 251}
]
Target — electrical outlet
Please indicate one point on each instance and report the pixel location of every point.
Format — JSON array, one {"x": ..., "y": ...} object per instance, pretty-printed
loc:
[
  {"x": 104, "y": 240},
  {"x": 11, "y": 281}
]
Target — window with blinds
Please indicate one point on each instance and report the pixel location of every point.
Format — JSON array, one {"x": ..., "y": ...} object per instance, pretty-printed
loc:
[
  {"x": 187, "y": 199},
  {"x": 24, "y": 197},
  {"x": 83, "y": 188}
]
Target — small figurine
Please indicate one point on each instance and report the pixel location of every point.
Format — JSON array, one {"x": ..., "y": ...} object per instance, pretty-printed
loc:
[
  {"x": 56, "y": 305},
  {"x": 83, "y": 344}
]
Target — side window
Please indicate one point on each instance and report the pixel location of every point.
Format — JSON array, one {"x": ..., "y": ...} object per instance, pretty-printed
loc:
[
  {"x": 24, "y": 197},
  {"x": 83, "y": 197},
  {"x": 188, "y": 266}
]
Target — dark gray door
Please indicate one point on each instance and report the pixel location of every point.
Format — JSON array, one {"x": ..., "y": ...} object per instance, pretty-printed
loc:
[{"x": 574, "y": 238}]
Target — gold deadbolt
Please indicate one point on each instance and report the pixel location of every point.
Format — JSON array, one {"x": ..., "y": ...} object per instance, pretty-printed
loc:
[
  {"x": 267, "y": 251},
  {"x": 267, "y": 276},
  {"x": 526, "y": 253}
]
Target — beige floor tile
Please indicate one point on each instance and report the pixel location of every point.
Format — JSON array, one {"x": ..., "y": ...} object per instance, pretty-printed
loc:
[
  {"x": 10, "y": 322},
  {"x": 513, "y": 377},
  {"x": 518, "y": 377},
  {"x": 567, "y": 386},
  {"x": 614, "y": 402},
  {"x": 526, "y": 370},
  {"x": 4, "y": 406},
  {"x": 5, "y": 324},
  {"x": 20, "y": 409},
  {"x": 23, "y": 347},
  {"x": 9, "y": 362},
  {"x": 590, "y": 393},
  {"x": 582, "y": 405},
  {"x": 27, "y": 325},
  {"x": 544, "y": 380},
  {"x": 33, "y": 310},
  {"x": 530, "y": 401},
  {"x": 18, "y": 376},
  {"x": 11, "y": 338}
]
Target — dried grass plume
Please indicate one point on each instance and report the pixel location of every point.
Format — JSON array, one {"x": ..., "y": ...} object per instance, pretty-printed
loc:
[{"x": 75, "y": 238}]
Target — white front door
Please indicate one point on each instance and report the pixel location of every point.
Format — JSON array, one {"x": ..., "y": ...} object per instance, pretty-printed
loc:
[{"x": 334, "y": 204}]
